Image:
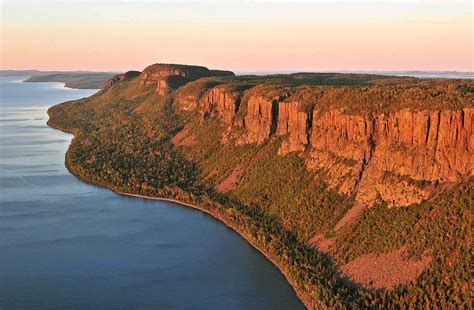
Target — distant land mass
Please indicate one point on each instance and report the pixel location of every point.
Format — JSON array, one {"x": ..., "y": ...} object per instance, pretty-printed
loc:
[
  {"x": 420, "y": 74},
  {"x": 358, "y": 187},
  {"x": 71, "y": 79},
  {"x": 22, "y": 72},
  {"x": 97, "y": 80}
]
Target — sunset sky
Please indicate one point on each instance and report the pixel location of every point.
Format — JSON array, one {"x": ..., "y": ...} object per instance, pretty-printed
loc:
[{"x": 240, "y": 36}]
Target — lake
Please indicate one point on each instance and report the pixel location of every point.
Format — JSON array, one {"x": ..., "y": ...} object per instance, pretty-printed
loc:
[{"x": 67, "y": 244}]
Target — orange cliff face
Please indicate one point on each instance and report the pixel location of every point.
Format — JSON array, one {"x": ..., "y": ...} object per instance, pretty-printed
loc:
[
  {"x": 340, "y": 145},
  {"x": 394, "y": 154},
  {"x": 261, "y": 118},
  {"x": 221, "y": 101},
  {"x": 294, "y": 123},
  {"x": 411, "y": 146},
  {"x": 387, "y": 157}
]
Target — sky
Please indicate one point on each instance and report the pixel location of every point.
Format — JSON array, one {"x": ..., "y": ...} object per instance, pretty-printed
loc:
[{"x": 124, "y": 35}]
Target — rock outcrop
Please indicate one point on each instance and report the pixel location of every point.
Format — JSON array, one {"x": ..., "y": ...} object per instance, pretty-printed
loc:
[
  {"x": 221, "y": 101},
  {"x": 165, "y": 78},
  {"x": 188, "y": 97},
  {"x": 341, "y": 147},
  {"x": 395, "y": 157},
  {"x": 294, "y": 123},
  {"x": 261, "y": 118},
  {"x": 414, "y": 149}
]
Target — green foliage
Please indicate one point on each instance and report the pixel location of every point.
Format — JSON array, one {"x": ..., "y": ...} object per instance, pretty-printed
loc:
[{"x": 379, "y": 229}]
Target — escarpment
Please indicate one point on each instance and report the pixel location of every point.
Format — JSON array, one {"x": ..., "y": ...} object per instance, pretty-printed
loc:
[
  {"x": 396, "y": 151},
  {"x": 414, "y": 149},
  {"x": 387, "y": 139},
  {"x": 393, "y": 157}
]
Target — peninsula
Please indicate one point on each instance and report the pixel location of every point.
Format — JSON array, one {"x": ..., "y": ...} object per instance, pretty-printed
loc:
[
  {"x": 358, "y": 187},
  {"x": 71, "y": 79}
]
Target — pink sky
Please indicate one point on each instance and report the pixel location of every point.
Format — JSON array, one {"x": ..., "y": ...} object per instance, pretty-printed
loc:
[{"x": 118, "y": 36}]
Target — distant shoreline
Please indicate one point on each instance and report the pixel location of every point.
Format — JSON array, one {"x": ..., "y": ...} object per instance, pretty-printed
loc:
[
  {"x": 71, "y": 79},
  {"x": 457, "y": 75},
  {"x": 74, "y": 80}
]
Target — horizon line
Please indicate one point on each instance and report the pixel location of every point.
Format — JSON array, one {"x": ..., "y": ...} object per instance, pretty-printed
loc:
[{"x": 256, "y": 71}]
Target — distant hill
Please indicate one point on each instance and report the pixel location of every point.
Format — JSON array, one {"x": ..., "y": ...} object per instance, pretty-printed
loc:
[
  {"x": 420, "y": 74},
  {"x": 71, "y": 79},
  {"x": 19, "y": 72},
  {"x": 74, "y": 80}
]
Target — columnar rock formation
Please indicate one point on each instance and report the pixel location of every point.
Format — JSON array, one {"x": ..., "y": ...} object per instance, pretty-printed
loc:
[
  {"x": 262, "y": 114},
  {"x": 221, "y": 101},
  {"x": 294, "y": 123},
  {"x": 415, "y": 148},
  {"x": 260, "y": 120},
  {"x": 341, "y": 145},
  {"x": 394, "y": 156}
]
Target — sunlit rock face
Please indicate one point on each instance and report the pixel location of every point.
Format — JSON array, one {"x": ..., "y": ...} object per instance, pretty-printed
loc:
[
  {"x": 221, "y": 101},
  {"x": 294, "y": 123},
  {"x": 377, "y": 143}
]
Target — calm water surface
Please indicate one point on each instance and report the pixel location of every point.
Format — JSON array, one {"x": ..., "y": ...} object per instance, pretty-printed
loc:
[{"x": 66, "y": 244}]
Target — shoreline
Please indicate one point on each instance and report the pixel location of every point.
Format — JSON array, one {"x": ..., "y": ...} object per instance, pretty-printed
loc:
[
  {"x": 65, "y": 85},
  {"x": 273, "y": 261},
  {"x": 217, "y": 218},
  {"x": 229, "y": 225}
]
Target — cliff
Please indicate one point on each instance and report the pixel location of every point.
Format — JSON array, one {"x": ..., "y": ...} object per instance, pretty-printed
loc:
[
  {"x": 296, "y": 124},
  {"x": 405, "y": 140},
  {"x": 221, "y": 101}
]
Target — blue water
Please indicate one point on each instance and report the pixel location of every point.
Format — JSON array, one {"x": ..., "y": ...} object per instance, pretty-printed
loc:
[{"x": 66, "y": 244}]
